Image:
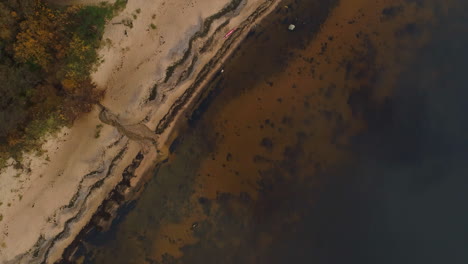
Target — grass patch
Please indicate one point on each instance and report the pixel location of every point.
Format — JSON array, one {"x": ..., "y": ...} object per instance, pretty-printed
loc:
[
  {"x": 97, "y": 132},
  {"x": 119, "y": 5},
  {"x": 127, "y": 22}
]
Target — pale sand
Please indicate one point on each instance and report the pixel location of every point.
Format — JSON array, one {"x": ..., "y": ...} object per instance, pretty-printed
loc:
[{"x": 44, "y": 208}]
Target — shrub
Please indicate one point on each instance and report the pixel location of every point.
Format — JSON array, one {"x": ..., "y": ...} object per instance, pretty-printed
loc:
[{"x": 46, "y": 57}]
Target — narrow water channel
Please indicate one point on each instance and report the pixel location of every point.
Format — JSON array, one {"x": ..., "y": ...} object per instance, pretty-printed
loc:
[{"x": 343, "y": 141}]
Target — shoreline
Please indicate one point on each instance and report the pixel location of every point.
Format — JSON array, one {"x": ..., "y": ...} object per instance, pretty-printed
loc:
[
  {"x": 125, "y": 150},
  {"x": 122, "y": 193}
]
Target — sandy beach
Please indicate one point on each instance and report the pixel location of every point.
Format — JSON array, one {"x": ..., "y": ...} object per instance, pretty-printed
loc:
[{"x": 151, "y": 71}]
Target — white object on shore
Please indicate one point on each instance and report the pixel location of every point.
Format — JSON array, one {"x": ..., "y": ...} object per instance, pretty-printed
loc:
[{"x": 292, "y": 27}]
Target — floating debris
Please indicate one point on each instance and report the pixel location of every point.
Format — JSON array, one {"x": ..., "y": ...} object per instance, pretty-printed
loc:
[{"x": 292, "y": 27}]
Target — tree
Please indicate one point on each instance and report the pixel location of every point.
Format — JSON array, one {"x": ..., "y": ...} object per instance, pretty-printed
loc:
[
  {"x": 40, "y": 37},
  {"x": 46, "y": 57}
]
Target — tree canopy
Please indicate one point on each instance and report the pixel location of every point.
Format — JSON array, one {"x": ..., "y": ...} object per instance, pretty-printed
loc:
[{"x": 46, "y": 57}]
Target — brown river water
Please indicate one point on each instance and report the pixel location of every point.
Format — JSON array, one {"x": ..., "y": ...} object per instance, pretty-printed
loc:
[{"x": 318, "y": 145}]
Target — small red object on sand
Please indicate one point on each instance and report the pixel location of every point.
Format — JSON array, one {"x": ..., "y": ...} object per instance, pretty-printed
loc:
[{"x": 230, "y": 33}]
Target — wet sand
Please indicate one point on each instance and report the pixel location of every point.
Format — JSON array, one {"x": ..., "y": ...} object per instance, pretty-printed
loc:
[{"x": 269, "y": 137}]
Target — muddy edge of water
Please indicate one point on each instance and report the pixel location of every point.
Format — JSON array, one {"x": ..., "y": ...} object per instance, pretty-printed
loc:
[
  {"x": 255, "y": 153},
  {"x": 121, "y": 195}
]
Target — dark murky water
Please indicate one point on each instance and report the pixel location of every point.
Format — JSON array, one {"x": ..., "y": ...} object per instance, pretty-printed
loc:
[{"x": 341, "y": 142}]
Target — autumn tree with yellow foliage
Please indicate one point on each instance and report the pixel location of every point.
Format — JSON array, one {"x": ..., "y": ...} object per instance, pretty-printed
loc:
[
  {"x": 40, "y": 37},
  {"x": 46, "y": 57}
]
